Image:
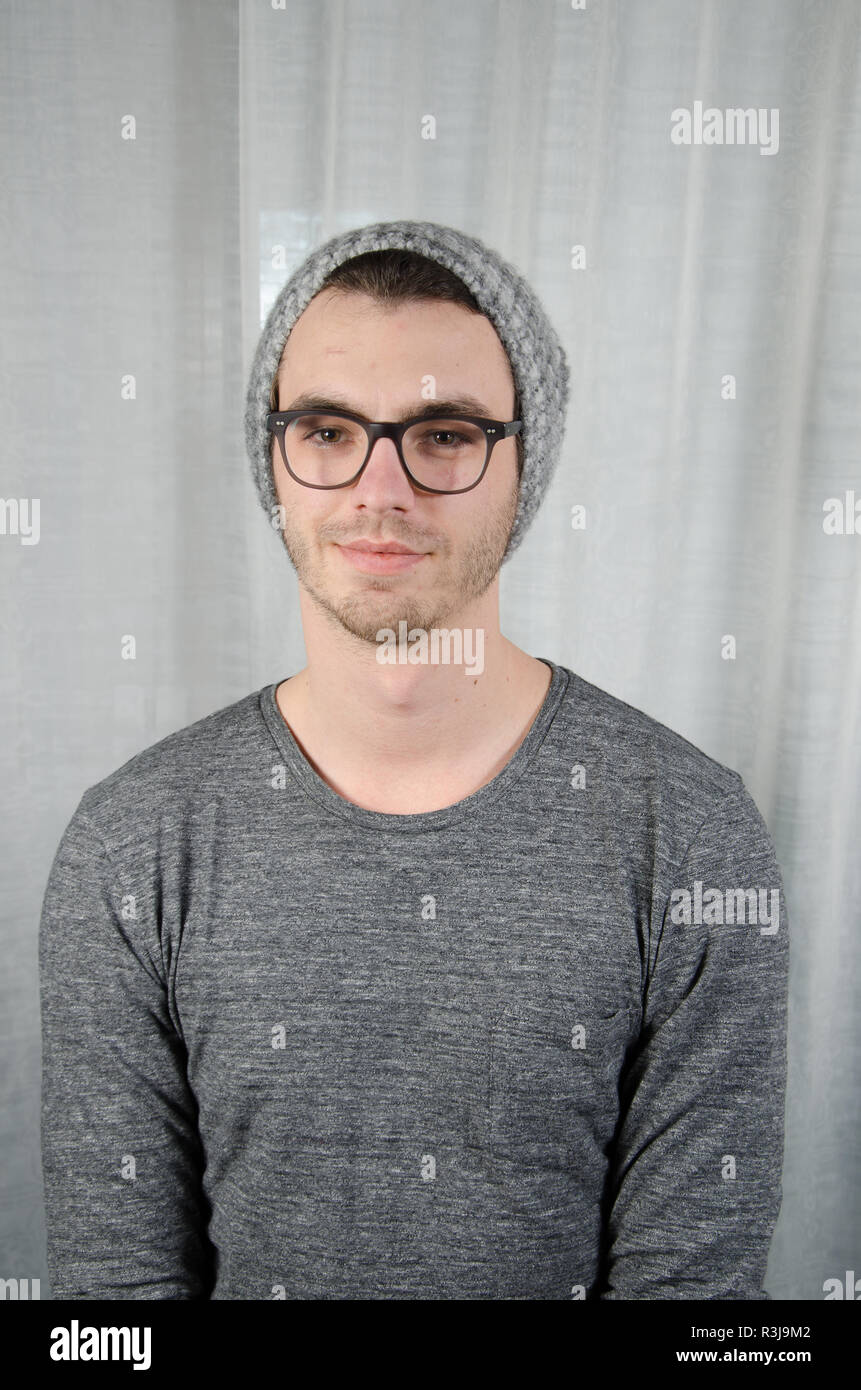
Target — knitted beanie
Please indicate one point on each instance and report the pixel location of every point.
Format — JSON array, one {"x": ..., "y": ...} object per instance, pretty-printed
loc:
[{"x": 536, "y": 356}]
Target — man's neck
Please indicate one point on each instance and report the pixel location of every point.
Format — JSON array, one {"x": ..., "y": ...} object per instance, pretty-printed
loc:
[{"x": 408, "y": 737}]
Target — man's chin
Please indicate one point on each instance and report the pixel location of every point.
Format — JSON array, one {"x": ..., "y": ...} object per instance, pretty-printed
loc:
[
  {"x": 366, "y": 621},
  {"x": 374, "y": 607}
]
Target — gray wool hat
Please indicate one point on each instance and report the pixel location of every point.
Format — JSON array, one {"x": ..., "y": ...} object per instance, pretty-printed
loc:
[{"x": 538, "y": 362}]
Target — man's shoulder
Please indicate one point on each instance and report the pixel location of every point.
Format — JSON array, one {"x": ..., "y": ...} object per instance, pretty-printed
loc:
[
  {"x": 190, "y": 764},
  {"x": 650, "y": 785},
  {"x": 637, "y": 747}
]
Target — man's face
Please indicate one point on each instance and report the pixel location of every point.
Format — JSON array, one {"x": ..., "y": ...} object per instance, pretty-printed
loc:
[{"x": 351, "y": 351}]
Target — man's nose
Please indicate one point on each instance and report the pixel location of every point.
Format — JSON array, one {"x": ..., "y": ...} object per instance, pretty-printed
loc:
[{"x": 383, "y": 480}]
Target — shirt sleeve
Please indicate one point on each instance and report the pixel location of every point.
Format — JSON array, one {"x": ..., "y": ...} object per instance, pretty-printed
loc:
[
  {"x": 121, "y": 1155},
  {"x": 696, "y": 1170}
]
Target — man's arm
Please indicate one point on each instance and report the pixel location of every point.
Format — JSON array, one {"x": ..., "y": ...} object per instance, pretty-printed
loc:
[
  {"x": 696, "y": 1179},
  {"x": 121, "y": 1155}
]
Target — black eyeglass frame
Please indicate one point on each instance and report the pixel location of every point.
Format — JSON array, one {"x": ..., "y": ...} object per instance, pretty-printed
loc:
[{"x": 494, "y": 430}]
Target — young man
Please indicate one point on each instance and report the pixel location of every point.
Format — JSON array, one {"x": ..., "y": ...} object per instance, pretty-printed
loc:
[{"x": 441, "y": 976}]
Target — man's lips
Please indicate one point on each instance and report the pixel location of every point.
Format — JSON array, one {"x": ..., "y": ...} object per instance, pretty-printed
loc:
[
  {"x": 385, "y": 547},
  {"x": 379, "y": 557}
]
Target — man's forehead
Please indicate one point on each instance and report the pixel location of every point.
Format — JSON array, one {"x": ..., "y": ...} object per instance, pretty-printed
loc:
[{"x": 323, "y": 339}]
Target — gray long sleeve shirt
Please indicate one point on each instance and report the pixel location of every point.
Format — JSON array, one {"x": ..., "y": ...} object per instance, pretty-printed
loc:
[{"x": 514, "y": 1048}]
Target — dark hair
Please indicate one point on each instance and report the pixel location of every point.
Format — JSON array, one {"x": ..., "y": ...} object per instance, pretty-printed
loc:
[{"x": 394, "y": 276}]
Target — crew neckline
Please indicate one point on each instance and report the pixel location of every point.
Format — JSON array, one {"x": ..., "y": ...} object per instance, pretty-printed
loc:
[{"x": 314, "y": 785}]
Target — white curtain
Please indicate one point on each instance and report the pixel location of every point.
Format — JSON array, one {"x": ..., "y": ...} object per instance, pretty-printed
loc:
[{"x": 170, "y": 162}]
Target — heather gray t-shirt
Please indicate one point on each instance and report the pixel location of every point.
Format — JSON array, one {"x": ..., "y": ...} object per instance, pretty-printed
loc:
[{"x": 293, "y": 1048}]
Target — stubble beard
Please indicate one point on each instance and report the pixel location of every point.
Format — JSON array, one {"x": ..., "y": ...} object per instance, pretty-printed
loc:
[{"x": 378, "y": 605}]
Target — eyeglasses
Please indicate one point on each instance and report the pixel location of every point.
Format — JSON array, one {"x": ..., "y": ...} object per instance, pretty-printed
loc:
[{"x": 438, "y": 453}]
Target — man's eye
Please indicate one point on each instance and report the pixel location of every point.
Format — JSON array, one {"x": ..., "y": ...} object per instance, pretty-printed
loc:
[
  {"x": 329, "y": 429},
  {"x": 449, "y": 435}
]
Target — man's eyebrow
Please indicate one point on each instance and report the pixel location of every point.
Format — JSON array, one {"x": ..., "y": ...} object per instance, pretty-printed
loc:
[{"x": 454, "y": 405}]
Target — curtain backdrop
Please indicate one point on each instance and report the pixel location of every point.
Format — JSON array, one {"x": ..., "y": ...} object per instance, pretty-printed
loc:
[{"x": 168, "y": 163}]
